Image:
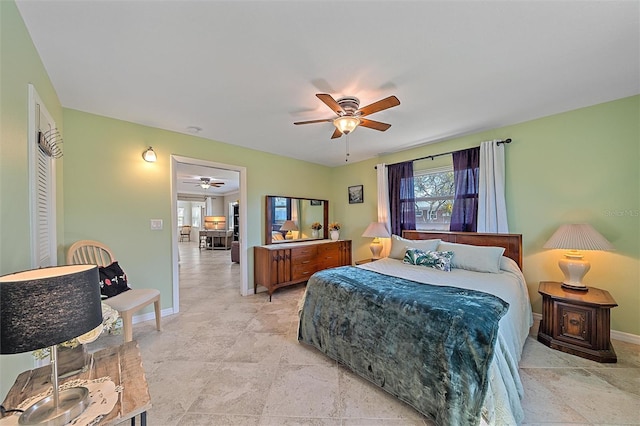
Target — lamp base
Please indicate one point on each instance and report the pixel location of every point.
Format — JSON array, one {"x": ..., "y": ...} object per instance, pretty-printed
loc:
[
  {"x": 376, "y": 249},
  {"x": 575, "y": 287},
  {"x": 574, "y": 268},
  {"x": 72, "y": 402}
]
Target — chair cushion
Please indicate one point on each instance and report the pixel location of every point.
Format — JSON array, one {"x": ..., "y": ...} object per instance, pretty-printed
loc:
[{"x": 132, "y": 298}]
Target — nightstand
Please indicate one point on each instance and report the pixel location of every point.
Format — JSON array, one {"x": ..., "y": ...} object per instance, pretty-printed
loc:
[
  {"x": 363, "y": 261},
  {"x": 577, "y": 322}
]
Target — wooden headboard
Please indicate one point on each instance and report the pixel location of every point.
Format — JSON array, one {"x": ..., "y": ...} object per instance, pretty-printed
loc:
[{"x": 512, "y": 243}]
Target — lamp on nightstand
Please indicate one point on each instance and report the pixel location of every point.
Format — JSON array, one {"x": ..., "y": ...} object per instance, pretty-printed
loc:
[
  {"x": 576, "y": 237},
  {"x": 376, "y": 230}
]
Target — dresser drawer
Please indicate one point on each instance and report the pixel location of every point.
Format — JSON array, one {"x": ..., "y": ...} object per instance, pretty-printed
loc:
[
  {"x": 304, "y": 252},
  {"x": 304, "y": 271}
]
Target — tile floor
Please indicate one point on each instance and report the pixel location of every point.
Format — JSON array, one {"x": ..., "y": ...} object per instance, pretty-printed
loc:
[{"x": 232, "y": 360}]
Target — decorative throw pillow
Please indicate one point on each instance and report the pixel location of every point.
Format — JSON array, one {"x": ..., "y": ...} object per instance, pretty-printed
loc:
[
  {"x": 440, "y": 260},
  {"x": 474, "y": 258},
  {"x": 399, "y": 245},
  {"x": 113, "y": 280}
]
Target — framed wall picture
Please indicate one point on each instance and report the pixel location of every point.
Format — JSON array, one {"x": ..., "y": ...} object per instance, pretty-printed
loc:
[{"x": 356, "y": 194}]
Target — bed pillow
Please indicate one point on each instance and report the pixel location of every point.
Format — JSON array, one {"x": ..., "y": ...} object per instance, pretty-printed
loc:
[
  {"x": 399, "y": 246},
  {"x": 433, "y": 259},
  {"x": 474, "y": 258}
]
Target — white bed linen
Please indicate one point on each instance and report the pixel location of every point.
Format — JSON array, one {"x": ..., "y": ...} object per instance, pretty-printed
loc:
[{"x": 502, "y": 403}]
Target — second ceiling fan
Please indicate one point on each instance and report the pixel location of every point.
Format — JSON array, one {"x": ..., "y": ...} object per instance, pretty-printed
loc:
[
  {"x": 350, "y": 115},
  {"x": 205, "y": 183}
]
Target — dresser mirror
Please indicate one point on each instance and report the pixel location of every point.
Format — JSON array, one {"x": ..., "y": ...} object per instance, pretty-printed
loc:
[{"x": 289, "y": 219}]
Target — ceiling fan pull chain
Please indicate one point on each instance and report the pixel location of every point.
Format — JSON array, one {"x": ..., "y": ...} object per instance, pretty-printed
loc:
[{"x": 347, "y": 145}]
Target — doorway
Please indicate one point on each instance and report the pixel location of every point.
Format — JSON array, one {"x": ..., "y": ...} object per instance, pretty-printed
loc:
[{"x": 226, "y": 170}]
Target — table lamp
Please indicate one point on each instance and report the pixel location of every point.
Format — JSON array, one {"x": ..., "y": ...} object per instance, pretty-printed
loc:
[
  {"x": 376, "y": 230},
  {"x": 576, "y": 237},
  {"x": 42, "y": 308},
  {"x": 289, "y": 226}
]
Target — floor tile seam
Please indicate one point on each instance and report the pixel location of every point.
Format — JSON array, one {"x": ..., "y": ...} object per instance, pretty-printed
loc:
[{"x": 563, "y": 368}]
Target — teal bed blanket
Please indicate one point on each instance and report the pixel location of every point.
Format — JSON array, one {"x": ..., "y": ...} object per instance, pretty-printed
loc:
[{"x": 428, "y": 345}]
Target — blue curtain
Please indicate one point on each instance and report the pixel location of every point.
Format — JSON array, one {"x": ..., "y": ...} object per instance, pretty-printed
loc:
[
  {"x": 466, "y": 165},
  {"x": 402, "y": 200}
]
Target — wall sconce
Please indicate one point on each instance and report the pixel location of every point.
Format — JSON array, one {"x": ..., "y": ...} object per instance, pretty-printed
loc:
[{"x": 149, "y": 155}]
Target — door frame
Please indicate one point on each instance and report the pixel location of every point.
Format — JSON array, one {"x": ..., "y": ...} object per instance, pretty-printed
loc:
[{"x": 242, "y": 239}]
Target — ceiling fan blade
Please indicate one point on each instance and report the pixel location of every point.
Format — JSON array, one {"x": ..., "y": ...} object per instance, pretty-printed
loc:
[
  {"x": 331, "y": 103},
  {"x": 336, "y": 134},
  {"x": 328, "y": 120},
  {"x": 382, "y": 104},
  {"x": 372, "y": 124}
]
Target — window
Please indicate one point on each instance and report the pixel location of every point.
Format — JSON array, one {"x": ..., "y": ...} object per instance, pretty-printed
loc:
[
  {"x": 180, "y": 216},
  {"x": 195, "y": 216},
  {"x": 434, "y": 190},
  {"x": 281, "y": 211}
]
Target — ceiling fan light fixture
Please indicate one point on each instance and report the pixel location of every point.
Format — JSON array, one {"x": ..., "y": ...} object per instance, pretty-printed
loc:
[
  {"x": 346, "y": 124},
  {"x": 205, "y": 185}
]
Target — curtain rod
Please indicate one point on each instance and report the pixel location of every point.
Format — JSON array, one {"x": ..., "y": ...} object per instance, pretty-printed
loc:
[{"x": 440, "y": 155}]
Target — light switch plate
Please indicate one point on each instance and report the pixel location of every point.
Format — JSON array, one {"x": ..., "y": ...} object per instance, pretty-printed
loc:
[{"x": 156, "y": 224}]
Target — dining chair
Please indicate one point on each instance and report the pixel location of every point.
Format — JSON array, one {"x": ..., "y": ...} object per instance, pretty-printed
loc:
[{"x": 185, "y": 233}]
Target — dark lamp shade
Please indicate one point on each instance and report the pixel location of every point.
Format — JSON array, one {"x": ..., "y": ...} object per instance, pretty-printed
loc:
[{"x": 47, "y": 306}]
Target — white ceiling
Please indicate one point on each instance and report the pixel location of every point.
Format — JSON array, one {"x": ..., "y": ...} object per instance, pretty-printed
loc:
[{"x": 244, "y": 71}]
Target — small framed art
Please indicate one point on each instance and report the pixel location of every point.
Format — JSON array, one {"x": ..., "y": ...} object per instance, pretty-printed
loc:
[{"x": 356, "y": 194}]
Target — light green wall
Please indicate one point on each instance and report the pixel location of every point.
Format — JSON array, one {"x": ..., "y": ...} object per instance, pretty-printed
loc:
[
  {"x": 579, "y": 166},
  {"x": 111, "y": 193},
  {"x": 19, "y": 66}
]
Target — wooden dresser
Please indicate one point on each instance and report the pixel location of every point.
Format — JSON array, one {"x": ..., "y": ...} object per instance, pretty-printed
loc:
[{"x": 281, "y": 265}]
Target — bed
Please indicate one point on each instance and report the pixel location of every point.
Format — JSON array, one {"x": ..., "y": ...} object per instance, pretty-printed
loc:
[{"x": 447, "y": 342}]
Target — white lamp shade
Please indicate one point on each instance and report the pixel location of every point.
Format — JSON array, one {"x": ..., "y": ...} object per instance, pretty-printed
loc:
[
  {"x": 376, "y": 230},
  {"x": 578, "y": 236}
]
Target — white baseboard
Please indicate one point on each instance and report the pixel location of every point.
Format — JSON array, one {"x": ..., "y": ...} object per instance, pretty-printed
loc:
[{"x": 615, "y": 335}]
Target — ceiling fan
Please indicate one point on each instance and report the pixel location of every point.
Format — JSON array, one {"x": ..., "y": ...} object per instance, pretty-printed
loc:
[
  {"x": 350, "y": 115},
  {"x": 206, "y": 182}
]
